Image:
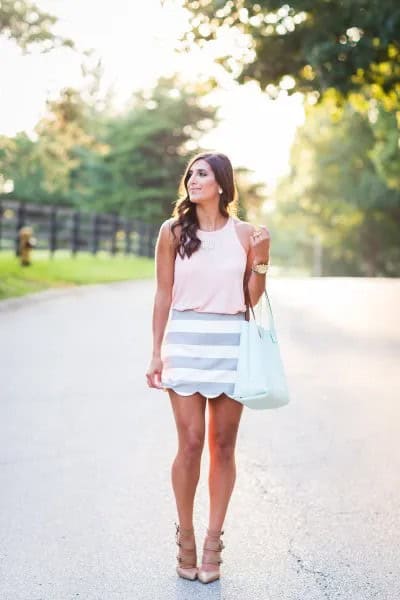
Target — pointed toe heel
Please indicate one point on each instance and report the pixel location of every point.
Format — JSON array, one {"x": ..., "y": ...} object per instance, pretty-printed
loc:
[
  {"x": 211, "y": 556},
  {"x": 187, "y": 556}
]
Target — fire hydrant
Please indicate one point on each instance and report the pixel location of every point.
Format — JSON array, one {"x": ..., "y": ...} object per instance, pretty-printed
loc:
[{"x": 26, "y": 243}]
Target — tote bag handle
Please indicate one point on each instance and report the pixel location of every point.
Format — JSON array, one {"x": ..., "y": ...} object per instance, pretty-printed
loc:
[{"x": 269, "y": 309}]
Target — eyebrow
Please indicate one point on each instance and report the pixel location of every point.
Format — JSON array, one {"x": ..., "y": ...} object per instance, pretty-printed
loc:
[{"x": 199, "y": 169}]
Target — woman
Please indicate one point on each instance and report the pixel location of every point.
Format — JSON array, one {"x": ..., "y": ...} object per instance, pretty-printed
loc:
[{"x": 203, "y": 256}]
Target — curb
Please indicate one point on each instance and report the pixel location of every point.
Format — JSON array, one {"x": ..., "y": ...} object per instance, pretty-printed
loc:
[{"x": 10, "y": 304}]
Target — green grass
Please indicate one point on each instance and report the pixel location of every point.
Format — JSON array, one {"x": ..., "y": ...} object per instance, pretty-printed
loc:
[{"x": 65, "y": 271}]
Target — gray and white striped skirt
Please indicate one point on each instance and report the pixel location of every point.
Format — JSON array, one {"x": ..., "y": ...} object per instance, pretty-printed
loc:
[{"x": 200, "y": 352}]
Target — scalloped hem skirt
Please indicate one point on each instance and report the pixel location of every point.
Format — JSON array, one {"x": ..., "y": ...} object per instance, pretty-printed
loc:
[{"x": 200, "y": 352}]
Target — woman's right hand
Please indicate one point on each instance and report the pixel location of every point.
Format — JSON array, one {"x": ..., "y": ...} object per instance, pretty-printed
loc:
[{"x": 153, "y": 373}]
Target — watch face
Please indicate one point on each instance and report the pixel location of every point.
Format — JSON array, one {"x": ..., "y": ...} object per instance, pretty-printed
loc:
[{"x": 262, "y": 269}]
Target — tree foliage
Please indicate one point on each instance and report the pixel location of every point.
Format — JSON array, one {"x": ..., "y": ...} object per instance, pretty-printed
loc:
[
  {"x": 129, "y": 163},
  {"x": 28, "y": 26},
  {"x": 150, "y": 146},
  {"x": 349, "y": 46},
  {"x": 62, "y": 137},
  {"x": 344, "y": 55},
  {"x": 337, "y": 192},
  {"x": 386, "y": 151},
  {"x": 20, "y": 164}
]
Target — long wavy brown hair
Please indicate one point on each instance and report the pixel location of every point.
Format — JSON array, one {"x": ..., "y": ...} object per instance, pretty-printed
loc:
[{"x": 185, "y": 210}]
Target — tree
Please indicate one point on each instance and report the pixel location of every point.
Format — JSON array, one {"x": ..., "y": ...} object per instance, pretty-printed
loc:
[
  {"x": 344, "y": 55},
  {"x": 20, "y": 164},
  {"x": 64, "y": 137},
  {"x": 29, "y": 26},
  {"x": 334, "y": 191},
  {"x": 129, "y": 163},
  {"x": 308, "y": 46},
  {"x": 386, "y": 151},
  {"x": 252, "y": 195},
  {"x": 44, "y": 170},
  {"x": 150, "y": 146}
]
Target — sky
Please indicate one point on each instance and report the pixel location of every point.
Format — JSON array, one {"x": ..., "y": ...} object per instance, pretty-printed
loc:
[{"x": 135, "y": 41}]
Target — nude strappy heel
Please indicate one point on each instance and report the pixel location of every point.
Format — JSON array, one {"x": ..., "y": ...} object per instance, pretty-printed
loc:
[
  {"x": 187, "y": 556},
  {"x": 211, "y": 556}
]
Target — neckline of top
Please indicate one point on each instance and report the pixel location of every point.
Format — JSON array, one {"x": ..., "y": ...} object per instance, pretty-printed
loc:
[{"x": 216, "y": 230}]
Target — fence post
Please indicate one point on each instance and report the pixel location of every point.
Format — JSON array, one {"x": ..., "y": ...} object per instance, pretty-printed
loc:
[
  {"x": 128, "y": 227},
  {"x": 53, "y": 231},
  {"x": 114, "y": 229},
  {"x": 76, "y": 221},
  {"x": 139, "y": 236},
  {"x": 95, "y": 233},
  {"x": 21, "y": 215},
  {"x": 135, "y": 224},
  {"x": 141, "y": 229},
  {"x": 150, "y": 240}
]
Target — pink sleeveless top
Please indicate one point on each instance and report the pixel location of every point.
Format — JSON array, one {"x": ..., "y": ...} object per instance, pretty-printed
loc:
[{"x": 211, "y": 280}]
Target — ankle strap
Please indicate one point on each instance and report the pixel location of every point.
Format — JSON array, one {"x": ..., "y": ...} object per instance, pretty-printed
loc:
[
  {"x": 180, "y": 529},
  {"x": 214, "y": 532}
]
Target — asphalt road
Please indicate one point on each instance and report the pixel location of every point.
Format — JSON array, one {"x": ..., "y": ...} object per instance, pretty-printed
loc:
[{"x": 86, "y": 505}]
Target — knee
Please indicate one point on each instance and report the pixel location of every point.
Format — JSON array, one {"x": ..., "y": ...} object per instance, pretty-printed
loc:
[
  {"x": 222, "y": 447},
  {"x": 192, "y": 447}
]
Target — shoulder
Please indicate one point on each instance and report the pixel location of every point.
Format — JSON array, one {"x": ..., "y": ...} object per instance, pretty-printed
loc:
[
  {"x": 246, "y": 225},
  {"x": 244, "y": 228},
  {"x": 169, "y": 235},
  {"x": 169, "y": 225},
  {"x": 248, "y": 228}
]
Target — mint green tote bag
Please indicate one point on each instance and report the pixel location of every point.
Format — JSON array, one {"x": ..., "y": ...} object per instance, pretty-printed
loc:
[{"x": 260, "y": 376}]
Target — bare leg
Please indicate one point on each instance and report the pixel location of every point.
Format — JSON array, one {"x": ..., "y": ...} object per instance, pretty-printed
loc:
[
  {"x": 224, "y": 419},
  {"x": 189, "y": 414}
]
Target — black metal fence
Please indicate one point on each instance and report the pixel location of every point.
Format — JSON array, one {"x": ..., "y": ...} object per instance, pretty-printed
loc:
[{"x": 60, "y": 228}]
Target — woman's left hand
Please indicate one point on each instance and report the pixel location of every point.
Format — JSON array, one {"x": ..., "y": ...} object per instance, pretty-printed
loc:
[{"x": 259, "y": 243}]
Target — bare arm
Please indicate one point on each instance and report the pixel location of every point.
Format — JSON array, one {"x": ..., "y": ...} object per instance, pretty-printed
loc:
[
  {"x": 164, "y": 259},
  {"x": 258, "y": 253}
]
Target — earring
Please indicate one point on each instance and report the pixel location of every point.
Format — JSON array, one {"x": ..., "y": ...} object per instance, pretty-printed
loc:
[{"x": 220, "y": 191}]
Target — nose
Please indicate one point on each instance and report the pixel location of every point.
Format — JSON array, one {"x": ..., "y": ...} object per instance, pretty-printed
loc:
[{"x": 191, "y": 180}]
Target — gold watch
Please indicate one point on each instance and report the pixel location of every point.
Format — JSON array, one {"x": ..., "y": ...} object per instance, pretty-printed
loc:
[{"x": 261, "y": 268}]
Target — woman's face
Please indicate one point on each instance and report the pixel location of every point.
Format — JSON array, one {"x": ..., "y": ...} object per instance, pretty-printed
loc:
[{"x": 201, "y": 183}]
